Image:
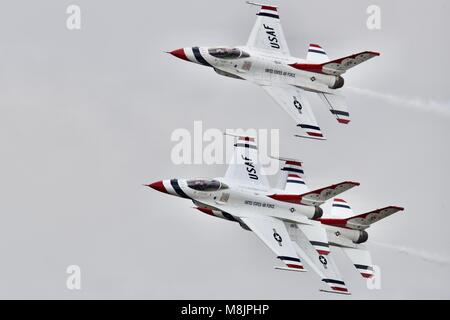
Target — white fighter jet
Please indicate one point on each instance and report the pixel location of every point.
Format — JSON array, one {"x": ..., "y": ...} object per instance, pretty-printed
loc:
[
  {"x": 266, "y": 61},
  {"x": 288, "y": 218}
]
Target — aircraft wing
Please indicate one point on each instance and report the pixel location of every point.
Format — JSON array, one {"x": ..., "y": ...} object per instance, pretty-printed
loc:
[
  {"x": 273, "y": 233},
  {"x": 361, "y": 259},
  {"x": 311, "y": 244},
  {"x": 297, "y": 243},
  {"x": 267, "y": 33},
  {"x": 245, "y": 168},
  {"x": 293, "y": 101}
]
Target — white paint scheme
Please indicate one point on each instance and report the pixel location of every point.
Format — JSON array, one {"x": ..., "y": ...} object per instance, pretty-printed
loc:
[
  {"x": 344, "y": 229},
  {"x": 243, "y": 195},
  {"x": 347, "y": 231},
  {"x": 287, "y": 218},
  {"x": 266, "y": 61}
]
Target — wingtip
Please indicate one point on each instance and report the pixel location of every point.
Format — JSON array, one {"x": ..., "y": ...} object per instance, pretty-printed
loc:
[
  {"x": 261, "y": 4},
  {"x": 336, "y": 292},
  {"x": 343, "y": 121},
  {"x": 356, "y": 184},
  {"x": 290, "y": 269},
  {"x": 310, "y": 137}
]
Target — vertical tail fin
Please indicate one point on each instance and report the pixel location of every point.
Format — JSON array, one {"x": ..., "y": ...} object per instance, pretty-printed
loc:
[
  {"x": 291, "y": 177},
  {"x": 316, "y": 54},
  {"x": 294, "y": 182},
  {"x": 341, "y": 209}
]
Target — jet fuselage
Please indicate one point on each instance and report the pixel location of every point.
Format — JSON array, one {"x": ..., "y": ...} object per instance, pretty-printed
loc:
[
  {"x": 260, "y": 67},
  {"x": 217, "y": 197}
]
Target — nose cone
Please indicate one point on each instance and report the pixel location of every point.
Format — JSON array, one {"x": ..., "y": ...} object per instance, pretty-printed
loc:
[
  {"x": 179, "y": 53},
  {"x": 158, "y": 185}
]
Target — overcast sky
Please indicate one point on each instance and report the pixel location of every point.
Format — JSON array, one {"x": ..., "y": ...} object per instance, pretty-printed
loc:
[{"x": 86, "y": 118}]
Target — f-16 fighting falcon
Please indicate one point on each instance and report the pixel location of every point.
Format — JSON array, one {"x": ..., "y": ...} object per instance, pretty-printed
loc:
[
  {"x": 266, "y": 61},
  {"x": 288, "y": 218}
]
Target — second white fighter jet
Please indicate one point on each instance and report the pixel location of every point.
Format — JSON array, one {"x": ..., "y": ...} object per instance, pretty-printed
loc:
[
  {"x": 288, "y": 218},
  {"x": 266, "y": 61}
]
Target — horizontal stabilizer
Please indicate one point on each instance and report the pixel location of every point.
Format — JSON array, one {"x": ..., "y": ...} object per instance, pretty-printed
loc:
[
  {"x": 316, "y": 197},
  {"x": 319, "y": 196},
  {"x": 338, "y": 66},
  {"x": 362, "y": 221}
]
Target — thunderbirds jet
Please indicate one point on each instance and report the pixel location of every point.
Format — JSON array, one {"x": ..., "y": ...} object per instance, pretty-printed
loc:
[
  {"x": 288, "y": 218},
  {"x": 266, "y": 61}
]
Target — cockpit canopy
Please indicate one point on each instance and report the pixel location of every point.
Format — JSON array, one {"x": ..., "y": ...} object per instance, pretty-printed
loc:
[
  {"x": 206, "y": 185},
  {"x": 228, "y": 53}
]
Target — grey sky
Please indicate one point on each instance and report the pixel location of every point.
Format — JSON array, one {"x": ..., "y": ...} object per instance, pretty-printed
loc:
[{"x": 86, "y": 118}]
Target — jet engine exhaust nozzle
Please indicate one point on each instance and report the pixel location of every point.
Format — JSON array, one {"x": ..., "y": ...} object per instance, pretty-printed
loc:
[{"x": 318, "y": 212}]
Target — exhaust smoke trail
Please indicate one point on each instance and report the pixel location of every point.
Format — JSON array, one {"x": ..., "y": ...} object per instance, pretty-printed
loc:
[
  {"x": 423, "y": 255},
  {"x": 429, "y": 105}
]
